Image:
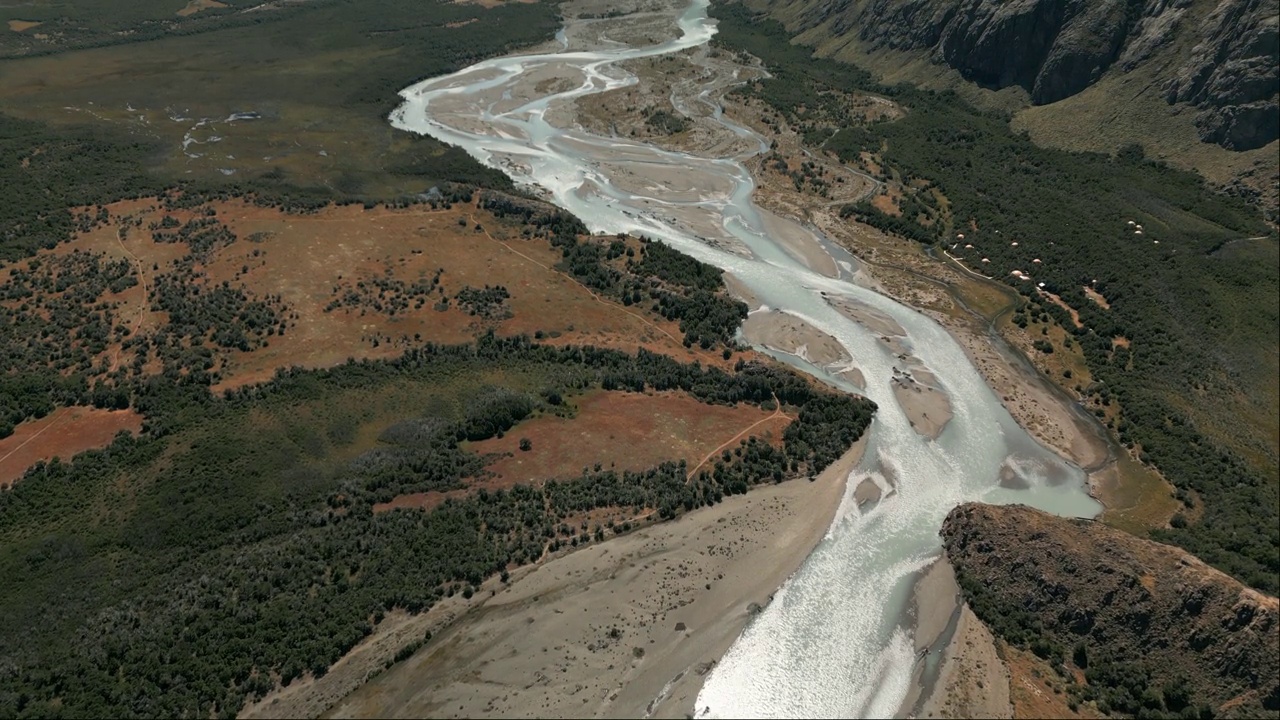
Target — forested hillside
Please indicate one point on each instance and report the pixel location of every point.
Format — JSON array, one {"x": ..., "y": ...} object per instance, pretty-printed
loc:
[
  {"x": 1132, "y": 628},
  {"x": 184, "y": 572},
  {"x": 1186, "y": 343}
]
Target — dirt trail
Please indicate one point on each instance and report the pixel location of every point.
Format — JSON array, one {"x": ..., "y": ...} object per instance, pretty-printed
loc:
[
  {"x": 58, "y": 416},
  {"x": 776, "y": 414},
  {"x": 143, "y": 303}
]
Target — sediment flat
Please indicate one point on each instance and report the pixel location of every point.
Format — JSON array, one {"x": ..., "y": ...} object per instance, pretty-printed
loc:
[
  {"x": 787, "y": 333},
  {"x": 926, "y": 404},
  {"x": 626, "y": 628}
]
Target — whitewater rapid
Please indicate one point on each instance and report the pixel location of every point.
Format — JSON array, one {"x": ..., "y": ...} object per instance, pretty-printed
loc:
[{"x": 835, "y": 640}]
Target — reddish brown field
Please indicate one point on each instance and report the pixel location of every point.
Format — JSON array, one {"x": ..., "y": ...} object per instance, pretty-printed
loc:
[
  {"x": 886, "y": 204},
  {"x": 308, "y": 261},
  {"x": 304, "y": 259},
  {"x": 618, "y": 430},
  {"x": 61, "y": 434},
  {"x": 624, "y": 431}
]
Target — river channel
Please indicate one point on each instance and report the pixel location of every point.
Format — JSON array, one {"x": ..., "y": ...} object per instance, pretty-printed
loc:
[{"x": 836, "y": 640}]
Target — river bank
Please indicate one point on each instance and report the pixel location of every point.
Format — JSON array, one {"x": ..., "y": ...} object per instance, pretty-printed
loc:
[
  {"x": 824, "y": 649},
  {"x": 625, "y": 628}
]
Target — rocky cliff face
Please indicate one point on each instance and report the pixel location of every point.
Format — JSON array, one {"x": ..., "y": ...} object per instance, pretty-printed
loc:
[
  {"x": 1147, "y": 620},
  {"x": 1232, "y": 74},
  {"x": 1222, "y": 59}
]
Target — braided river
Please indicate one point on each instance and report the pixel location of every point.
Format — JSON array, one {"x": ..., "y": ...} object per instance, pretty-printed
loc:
[{"x": 836, "y": 641}]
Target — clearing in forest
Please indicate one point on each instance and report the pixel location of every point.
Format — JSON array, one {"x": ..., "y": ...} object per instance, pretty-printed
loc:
[
  {"x": 614, "y": 430},
  {"x": 61, "y": 434},
  {"x": 350, "y": 282},
  {"x": 624, "y": 431},
  {"x": 239, "y": 290},
  {"x": 195, "y": 6}
]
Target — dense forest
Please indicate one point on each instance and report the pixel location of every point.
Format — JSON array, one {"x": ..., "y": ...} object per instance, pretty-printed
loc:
[
  {"x": 243, "y": 550},
  {"x": 1189, "y": 310}
]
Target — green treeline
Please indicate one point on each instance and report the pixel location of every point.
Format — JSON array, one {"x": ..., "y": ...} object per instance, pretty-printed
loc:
[
  {"x": 1193, "y": 309},
  {"x": 678, "y": 287},
  {"x": 174, "y": 574},
  {"x": 46, "y": 172},
  {"x": 666, "y": 123}
]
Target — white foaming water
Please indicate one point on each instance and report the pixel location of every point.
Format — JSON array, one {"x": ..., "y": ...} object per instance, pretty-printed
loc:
[{"x": 833, "y": 641}]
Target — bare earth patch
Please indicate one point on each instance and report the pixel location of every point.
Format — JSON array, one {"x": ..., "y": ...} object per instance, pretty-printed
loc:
[
  {"x": 61, "y": 434},
  {"x": 885, "y": 204},
  {"x": 615, "y": 430},
  {"x": 195, "y": 6},
  {"x": 304, "y": 258},
  {"x": 403, "y": 267},
  {"x": 1075, "y": 316},
  {"x": 621, "y": 430},
  {"x": 309, "y": 261},
  {"x": 23, "y": 25},
  {"x": 1097, "y": 297}
]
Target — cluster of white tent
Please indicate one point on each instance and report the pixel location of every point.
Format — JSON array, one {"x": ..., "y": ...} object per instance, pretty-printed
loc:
[
  {"x": 1137, "y": 230},
  {"x": 1016, "y": 273}
]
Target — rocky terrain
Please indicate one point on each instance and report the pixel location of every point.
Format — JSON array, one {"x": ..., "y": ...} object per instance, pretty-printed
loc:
[
  {"x": 1220, "y": 59},
  {"x": 1135, "y": 626}
]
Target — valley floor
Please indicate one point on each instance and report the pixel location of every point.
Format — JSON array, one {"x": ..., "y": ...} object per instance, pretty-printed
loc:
[{"x": 630, "y": 627}]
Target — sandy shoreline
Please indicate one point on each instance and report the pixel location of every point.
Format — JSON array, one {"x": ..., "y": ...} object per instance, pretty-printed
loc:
[
  {"x": 626, "y": 628},
  {"x": 962, "y": 675},
  {"x": 926, "y": 405}
]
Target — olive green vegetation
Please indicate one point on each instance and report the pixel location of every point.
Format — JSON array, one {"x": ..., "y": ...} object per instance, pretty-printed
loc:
[
  {"x": 1200, "y": 309},
  {"x": 177, "y": 573},
  {"x": 235, "y": 543},
  {"x": 679, "y": 287},
  {"x": 313, "y": 83},
  {"x": 1122, "y": 684},
  {"x": 87, "y": 23}
]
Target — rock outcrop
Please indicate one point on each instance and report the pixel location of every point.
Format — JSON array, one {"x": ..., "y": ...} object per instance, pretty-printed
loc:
[
  {"x": 1232, "y": 75},
  {"x": 1057, "y": 48},
  {"x": 1079, "y": 589}
]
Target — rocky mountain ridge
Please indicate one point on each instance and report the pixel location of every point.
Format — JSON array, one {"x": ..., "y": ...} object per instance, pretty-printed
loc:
[
  {"x": 1148, "y": 626},
  {"x": 1220, "y": 59}
]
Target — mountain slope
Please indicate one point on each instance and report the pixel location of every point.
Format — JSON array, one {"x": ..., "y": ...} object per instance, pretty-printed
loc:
[
  {"x": 1170, "y": 75},
  {"x": 1153, "y": 629}
]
